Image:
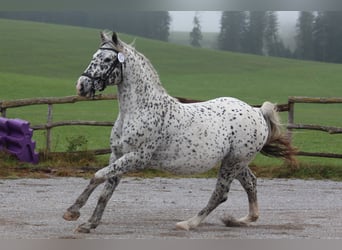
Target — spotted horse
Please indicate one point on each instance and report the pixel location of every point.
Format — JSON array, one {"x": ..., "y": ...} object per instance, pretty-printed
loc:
[{"x": 155, "y": 130}]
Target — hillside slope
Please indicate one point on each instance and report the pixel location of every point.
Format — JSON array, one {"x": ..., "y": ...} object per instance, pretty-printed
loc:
[{"x": 61, "y": 53}]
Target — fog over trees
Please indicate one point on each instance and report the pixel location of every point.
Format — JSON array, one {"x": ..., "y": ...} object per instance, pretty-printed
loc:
[
  {"x": 196, "y": 33},
  {"x": 150, "y": 24},
  {"x": 318, "y": 35}
]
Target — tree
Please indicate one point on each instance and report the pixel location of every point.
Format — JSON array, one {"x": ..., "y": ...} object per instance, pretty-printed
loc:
[
  {"x": 254, "y": 35},
  {"x": 196, "y": 33},
  {"x": 304, "y": 37},
  {"x": 320, "y": 37},
  {"x": 327, "y": 36},
  {"x": 271, "y": 38},
  {"x": 233, "y": 28},
  {"x": 157, "y": 25}
]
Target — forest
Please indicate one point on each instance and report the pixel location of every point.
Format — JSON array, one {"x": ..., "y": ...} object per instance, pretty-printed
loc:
[{"x": 318, "y": 35}]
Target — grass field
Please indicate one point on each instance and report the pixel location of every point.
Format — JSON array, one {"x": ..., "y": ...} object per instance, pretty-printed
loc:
[{"x": 44, "y": 60}]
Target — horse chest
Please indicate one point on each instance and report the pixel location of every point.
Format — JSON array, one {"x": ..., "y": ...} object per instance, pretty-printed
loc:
[{"x": 136, "y": 132}]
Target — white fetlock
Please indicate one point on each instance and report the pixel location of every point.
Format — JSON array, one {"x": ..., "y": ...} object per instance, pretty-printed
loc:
[
  {"x": 191, "y": 223},
  {"x": 244, "y": 219},
  {"x": 230, "y": 221},
  {"x": 249, "y": 218},
  {"x": 183, "y": 225}
]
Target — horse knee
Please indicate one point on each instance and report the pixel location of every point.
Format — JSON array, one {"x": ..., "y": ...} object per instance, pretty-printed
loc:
[
  {"x": 101, "y": 175},
  {"x": 254, "y": 180},
  {"x": 96, "y": 180}
]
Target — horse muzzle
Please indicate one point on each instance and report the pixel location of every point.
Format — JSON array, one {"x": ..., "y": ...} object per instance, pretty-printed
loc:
[{"x": 84, "y": 87}]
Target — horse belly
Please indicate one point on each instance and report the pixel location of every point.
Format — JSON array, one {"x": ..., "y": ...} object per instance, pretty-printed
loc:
[
  {"x": 189, "y": 157},
  {"x": 190, "y": 164}
]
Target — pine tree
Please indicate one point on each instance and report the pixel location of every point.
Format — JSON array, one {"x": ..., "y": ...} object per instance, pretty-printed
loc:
[
  {"x": 333, "y": 28},
  {"x": 304, "y": 37},
  {"x": 233, "y": 28},
  {"x": 155, "y": 25},
  {"x": 196, "y": 33},
  {"x": 271, "y": 37},
  {"x": 320, "y": 37},
  {"x": 254, "y": 37}
]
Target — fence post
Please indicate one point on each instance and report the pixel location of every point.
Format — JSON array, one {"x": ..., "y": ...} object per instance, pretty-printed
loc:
[
  {"x": 48, "y": 129},
  {"x": 3, "y": 112},
  {"x": 290, "y": 118}
]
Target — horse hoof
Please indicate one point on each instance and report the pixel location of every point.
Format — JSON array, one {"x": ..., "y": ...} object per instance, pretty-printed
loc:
[
  {"x": 183, "y": 225},
  {"x": 71, "y": 216},
  {"x": 82, "y": 229},
  {"x": 230, "y": 221}
]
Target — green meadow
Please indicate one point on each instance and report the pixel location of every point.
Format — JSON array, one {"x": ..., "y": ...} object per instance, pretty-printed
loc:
[{"x": 45, "y": 60}]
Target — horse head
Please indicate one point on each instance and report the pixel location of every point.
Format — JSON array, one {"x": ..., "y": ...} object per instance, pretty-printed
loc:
[{"x": 105, "y": 68}]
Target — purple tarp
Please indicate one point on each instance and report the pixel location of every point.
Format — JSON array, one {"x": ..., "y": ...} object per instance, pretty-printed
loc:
[{"x": 16, "y": 139}]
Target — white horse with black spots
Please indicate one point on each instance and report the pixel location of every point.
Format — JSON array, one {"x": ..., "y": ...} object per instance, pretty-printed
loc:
[{"x": 155, "y": 130}]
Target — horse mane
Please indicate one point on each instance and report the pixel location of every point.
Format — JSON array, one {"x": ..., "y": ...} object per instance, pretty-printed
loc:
[
  {"x": 132, "y": 44},
  {"x": 146, "y": 60}
]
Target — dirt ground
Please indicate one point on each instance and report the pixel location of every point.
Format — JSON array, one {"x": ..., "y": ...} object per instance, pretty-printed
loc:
[{"x": 150, "y": 208}]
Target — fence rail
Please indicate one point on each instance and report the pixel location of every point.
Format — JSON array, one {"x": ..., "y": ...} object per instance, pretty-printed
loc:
[
  {"x": 330, "y": 130},
  {"x": 323, "y": 100},
  {"x": 49, "y": 125},
  {"x": 292, "y": 125},
  {"x": 50, "y": 101}
]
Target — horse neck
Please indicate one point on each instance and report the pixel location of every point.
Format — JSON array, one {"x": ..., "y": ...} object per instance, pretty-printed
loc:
[{"x": 141, "y": 84}]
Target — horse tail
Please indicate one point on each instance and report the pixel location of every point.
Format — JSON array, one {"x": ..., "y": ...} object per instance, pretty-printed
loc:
[{"x": 278, "y": 143}]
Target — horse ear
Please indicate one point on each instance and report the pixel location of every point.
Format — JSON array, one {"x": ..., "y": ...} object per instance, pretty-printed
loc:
[
  {"x": 115, "y": 38},
  {"x": 103, "y": 37}
]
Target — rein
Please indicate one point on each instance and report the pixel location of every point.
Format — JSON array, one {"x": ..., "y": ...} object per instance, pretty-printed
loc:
[{"x": 104, "y": 78}]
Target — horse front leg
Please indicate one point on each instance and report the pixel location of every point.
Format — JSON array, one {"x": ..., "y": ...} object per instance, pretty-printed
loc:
[
  {"x": 129, "y": 162},
  {"x": 106, "y": 194},
  {"x": 73, "y": 212},
  {"x": 249, "y": 183},
  {"x": 112, "y": 175}
]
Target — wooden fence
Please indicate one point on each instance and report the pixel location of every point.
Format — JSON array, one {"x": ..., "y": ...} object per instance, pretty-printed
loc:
[
  {"x": 49, "y": 125},
  {"x": 50, "y": 101},
  {"x": 292, "y": 125}
]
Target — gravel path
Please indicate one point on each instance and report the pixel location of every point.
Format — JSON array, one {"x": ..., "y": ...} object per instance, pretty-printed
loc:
[{"x": 149, "y": 208}]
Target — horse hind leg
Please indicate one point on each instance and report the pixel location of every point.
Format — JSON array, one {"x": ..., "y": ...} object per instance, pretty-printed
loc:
[
  {"x": 219, "y": 196},
  {"x": 226, "y": 175},
  {"x": 249, "y": 183}
]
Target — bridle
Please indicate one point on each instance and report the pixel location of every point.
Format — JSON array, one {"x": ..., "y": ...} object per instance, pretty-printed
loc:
[{"x": 103, "y": 79}]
